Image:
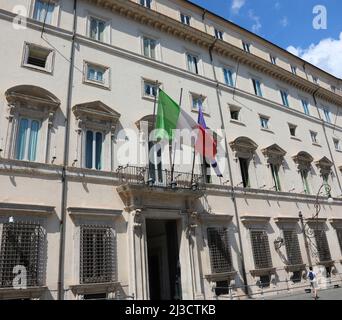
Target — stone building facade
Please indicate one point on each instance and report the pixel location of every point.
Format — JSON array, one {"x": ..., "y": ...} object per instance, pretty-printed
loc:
[{"x": 78, "y": 223}]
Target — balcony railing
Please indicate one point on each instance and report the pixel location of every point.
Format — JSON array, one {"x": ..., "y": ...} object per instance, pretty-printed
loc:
[{"x": 160, "y": 178}]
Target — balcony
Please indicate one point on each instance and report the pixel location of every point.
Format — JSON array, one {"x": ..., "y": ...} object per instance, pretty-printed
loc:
[{"x": 144, "y": 181}]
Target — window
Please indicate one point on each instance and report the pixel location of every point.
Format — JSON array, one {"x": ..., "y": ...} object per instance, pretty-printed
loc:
[
  {"x": 305, "y": 105},
  {"x": 22, "y": 244},
  {"x": 155, "y": 162},
  {"x": 314, "y": 137},
  {"x": 192, "y": 63},
  {"x": 228, "y": 77},
  {"x": 284, "y": 98},
  {"x": 337, "y": 144},
  {"x": 150, "y": 48},
  {"x": 261, "y": 249},
  {"x": 294, "y": 256},
  {"x": 275, "y": 176},
  {"x": 150, "y": 89},
  {"x": 220, "y": 256},
  {"x": 97, "y": 29},
  {"x": 339, "y": 237},
  {"x": 93, "y": 150},
  {"x": 197, "y": 102},
  {"x": 264, "y": 122},
  {"x": 219, "y": 250},
  {"x": 293, "y": 129},
  {"x": 97, "y": 254},
  {"x": 96, "y": 74},
  {"x": 246, "y": 46},
  {"x": 27, "y": 139},
  {"x": 294, "y": 69},
  {"x": 95, "y": 296},
  {"x": 244, "y": 167},
  {"x": 43, "y": 11},
  {"x": 218, "y": 34},
  {"x": 273, "y": 59},
  {"x": 304, "y": 173},
  {"x": 257, "y": 87},
  {"x": 38, "y": 57},
  {"x": 327, "y": 115},
  {"x": 146, "y": 3},
  {"x": 322, "y": 245},
  {"x": 185, "y": 19},
  {"x": 235, "y": 113}
]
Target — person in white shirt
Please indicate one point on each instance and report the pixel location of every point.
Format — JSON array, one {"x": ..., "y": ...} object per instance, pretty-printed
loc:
[{"x": 312, "y": 276}]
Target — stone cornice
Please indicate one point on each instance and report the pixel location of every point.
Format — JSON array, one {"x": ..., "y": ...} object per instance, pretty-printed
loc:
[
  {"x": 85, "y": 212},
  {"x": 22, "y": 208}
]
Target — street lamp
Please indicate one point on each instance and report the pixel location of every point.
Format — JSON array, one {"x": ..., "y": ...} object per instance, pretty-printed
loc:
[{"x": 307, "y": 231}]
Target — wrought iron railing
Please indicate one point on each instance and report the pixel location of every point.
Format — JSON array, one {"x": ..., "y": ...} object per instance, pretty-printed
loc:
[{"x": 160, "y": 178}]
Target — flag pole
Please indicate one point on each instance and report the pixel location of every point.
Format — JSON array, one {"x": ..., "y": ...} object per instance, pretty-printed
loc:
[{"x": 173, "y": 149}]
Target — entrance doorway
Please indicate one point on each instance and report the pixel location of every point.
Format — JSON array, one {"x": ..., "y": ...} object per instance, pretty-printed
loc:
[{"x": 163, "y": 260}]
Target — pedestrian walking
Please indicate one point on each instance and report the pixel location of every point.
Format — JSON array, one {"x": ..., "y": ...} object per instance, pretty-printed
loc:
[{"x": 312, "y": 276}]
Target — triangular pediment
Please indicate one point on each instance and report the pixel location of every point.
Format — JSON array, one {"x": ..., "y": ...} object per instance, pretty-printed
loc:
[
  {"x": 95, "y": 109},
  {"x": 324, "y": 162},
  {"x": 274, "y": 149}
]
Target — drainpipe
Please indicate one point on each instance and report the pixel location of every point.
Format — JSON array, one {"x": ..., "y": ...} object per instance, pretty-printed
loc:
[
  {"x": 326, "y": 139},
  {"x": 243, "y": 267},
  {"x": 66, "y": 160}
]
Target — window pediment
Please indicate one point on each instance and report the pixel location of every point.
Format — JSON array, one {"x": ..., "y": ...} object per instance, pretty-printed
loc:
[
  {"x": 31, "y": 100},
  {"x": 324, "y": 165},
  {"x": 97, "y": 115},
  {"x": 303, "y": 160},
  {"x": 149, "y": 119},
  {"x": 243, "y": 145},
  {"x": 274, "y": 153}
]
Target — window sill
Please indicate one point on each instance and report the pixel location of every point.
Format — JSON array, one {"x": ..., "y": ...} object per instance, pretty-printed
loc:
[
  {"x": 295, "y": 138},
  {"x": 28, "y": 293},
  {"x": 316, "y": 144},
  {"x": 203, "y": 111},
  {"x": 89, "y": 288},
  {"x": 267, "y": 130},
  {"x": 96, "y": 84},
  {"x": 263, "y": 272},
  {"x": 238, "y": 122},
  {"x": 221, "y": 276},
  {"x": 36, "y": 68},
  {"x": 149, "y": 98},
  {"x": 338, "y": 150},
  {"x": 295, "y": 267}
]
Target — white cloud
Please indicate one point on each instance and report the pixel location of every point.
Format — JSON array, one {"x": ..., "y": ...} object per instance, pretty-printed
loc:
[
  {"x": 284, "y": 22},
  {"x": 257, "y": 24},
  {"x": 237, "y": 5},
  {"x": 325, "y": 55}
]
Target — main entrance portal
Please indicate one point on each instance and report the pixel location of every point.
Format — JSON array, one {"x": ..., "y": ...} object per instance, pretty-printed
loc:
[{"x": 163, "y": 260}]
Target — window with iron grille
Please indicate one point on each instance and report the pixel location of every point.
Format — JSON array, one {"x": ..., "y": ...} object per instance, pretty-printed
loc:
[
  {"x": 261, "y": 249},
  {"x": 219, "y": 250},
  {"x": 322, "y": 245},
  {"x": 294, "y": 256},
  {"x": 22, "y": 244},
  {"x": 97, "y": 254},
  {"x": 339, "y": 236}
]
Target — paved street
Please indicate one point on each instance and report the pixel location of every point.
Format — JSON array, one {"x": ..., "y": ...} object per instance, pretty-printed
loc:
[{"x": 330, "y": 294}]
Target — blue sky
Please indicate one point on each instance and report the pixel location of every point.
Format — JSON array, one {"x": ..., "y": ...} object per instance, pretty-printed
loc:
[{"x": 289, "y": 24}]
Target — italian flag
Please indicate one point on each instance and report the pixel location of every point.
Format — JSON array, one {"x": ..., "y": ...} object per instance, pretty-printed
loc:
[{"x": 171, "y": 117}]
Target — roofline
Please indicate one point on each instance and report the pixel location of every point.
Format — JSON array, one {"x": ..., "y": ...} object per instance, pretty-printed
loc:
[{"x": 261, "y": 38}]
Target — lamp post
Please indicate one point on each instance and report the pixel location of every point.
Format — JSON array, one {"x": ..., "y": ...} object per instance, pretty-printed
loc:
[{"x": 307, "y": 231}]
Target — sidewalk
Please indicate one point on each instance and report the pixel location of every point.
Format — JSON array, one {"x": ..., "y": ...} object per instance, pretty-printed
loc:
[{"x": 327, "y": 294}]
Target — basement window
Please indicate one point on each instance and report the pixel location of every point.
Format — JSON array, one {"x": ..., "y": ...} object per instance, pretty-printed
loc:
[{"x": 37, "y": 57}]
